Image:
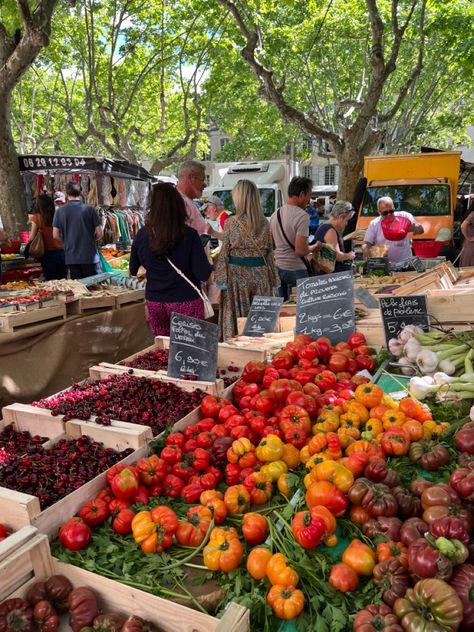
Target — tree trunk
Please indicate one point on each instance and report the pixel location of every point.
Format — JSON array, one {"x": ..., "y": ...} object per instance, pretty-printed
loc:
[
  {"x": 351, "y": 163},
  {"x": 13, "y": 211}
]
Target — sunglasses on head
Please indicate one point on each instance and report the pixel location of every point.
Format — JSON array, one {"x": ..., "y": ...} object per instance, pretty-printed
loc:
[{"x": 388, "y": 212}]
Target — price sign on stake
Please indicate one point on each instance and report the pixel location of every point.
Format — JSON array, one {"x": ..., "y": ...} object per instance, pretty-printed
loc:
[
  {"x": 399, "y": 311},
  {"x": 193, "y": 348},
  {"x": 263, "y": 315},
  {"x": 325, "y": 306}
]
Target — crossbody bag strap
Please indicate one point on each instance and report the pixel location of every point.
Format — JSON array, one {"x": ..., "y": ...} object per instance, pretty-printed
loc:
[
  {"x": 251, "y": 238},
  {"x": 181, "y": 274},
  {"x": 306, "y": 264}
]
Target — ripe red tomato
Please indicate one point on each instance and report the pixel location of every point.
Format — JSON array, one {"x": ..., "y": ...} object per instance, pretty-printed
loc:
[
  {"x": 365, "y": 362},
  {"x": 338, "y": 362},
  {"x": 253, "y": 372},
  {"x": 325, "y": 380},
  {"x": 122, "y": 523},
  {"x": 95, "y": 512},
  {"x": 270, "y": 375},
  {"x": 264, "y": 404},
  {"x": 323, "y": 347},
  {"x": 356, "y": 340},
  {"x": 254, "y": 528},
  {"x": 363, "y": 350},
  {"x": 343, "y": 578},
  {"x": 125, "y": 484},
  {"x": 227, "y": 411},
  {"x": 210, "y": 406},
  {"x": 282, "y": 360},
  {"x": 75, "y": 534}
]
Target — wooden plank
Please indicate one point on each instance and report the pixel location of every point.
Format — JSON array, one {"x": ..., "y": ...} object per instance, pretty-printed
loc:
[
  {"x": 119, "y": 436},
  {"x": 16, "y": 540},
  {"x": 12, "y": 322},
  {"x": 104, "y": 369},
  {"x": 36, "y": 421},
  {"x": 236, "y": 619},
  {"x": 17, "y": 510},
  {"x": 129, "y": 296},
  {"x": 31, "y": 562},
  {"x": 116, "y": 597},
  {"x": 85, "y": 303},
  {"x": 453, "y": 309}
]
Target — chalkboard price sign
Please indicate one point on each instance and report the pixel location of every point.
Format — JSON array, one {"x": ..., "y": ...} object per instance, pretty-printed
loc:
[
  {"x": 400, "y": 311},
  {"x": 263, "y": 315},
  {"x": 193, "y": 348},
  {"x": 376, "y": 264},
  {"x": 325, "y": 306}
]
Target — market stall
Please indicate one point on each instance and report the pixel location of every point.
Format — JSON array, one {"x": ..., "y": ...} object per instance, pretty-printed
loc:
[{"x": 324, "y": 489}]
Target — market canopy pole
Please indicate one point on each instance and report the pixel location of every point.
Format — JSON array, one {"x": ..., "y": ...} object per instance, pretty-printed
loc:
[{"x": 19, "y": 47}]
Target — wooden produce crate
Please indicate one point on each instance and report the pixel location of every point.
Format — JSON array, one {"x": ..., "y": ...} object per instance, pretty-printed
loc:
[
  {"x": 17, "y": 320},
  {"x": 129, "y": 296},
  {"x": 33, "y": 562},
  {"x": 27, "y": 510},
  {"x": 86, "y": 303},
  {"x": 284, "y": 324},
  {"x": 119, "y": 435},
  {"x": 104, "y": 369},
  {"x": 16, "y": 539},
  {"x": 25, "y": 565}
]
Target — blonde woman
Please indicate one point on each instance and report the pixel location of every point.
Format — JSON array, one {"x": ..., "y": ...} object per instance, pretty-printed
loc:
[{"x": 246, "y": 267}]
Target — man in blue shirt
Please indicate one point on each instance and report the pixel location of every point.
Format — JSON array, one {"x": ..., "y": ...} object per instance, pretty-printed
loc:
[{"x": 78, "y": 226}]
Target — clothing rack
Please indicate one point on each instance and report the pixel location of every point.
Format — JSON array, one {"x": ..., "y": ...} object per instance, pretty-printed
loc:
[{"x": 121, "y": 224}]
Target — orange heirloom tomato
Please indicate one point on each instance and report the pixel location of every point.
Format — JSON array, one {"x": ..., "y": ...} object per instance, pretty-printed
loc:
[
  {"x": 287, "y": 602},
  {"x": 279, "y": 572},
  {"x": 359, "y": 557},
  {"x": 238, "y": 448},
  {"x": 223, "y": 552},
  {"x": 432, "y": 427},
  {"x": 348, "y": 435},
  {"x": 290, "y": 456},
  {"x": 315, "y": 459},
  {"x": 210, "y": 494},
  {"x": 274, "y": 469},
  {"x": 350, "y": 420},
  {"x": 259, "y": 486},
  {"x": 249, "y": 459},
  {"x": 237, "y": 499},
  {"x": 414, "y": 429},
  {"x": 304, "y": 454},
  {"x": 355, "y": 462},
  {"x": 218, "y": 509},
  {"x": 359, "y": 515},
  {"x": 374, "y": 426},
  {"x": 319, "y": 511},
  {"x": 270, "y": 448},
  {"x": 393, "y": 418},
  {"x": 153, "y": 530},
  {"x": 378, "y": 411},
  {"x": 370, "y": 395},
  {"x": 395, "y": 441},
  {"x": 372, "y": 449},
  {"x": 343, "y": 578},
  {"x": 257, "y": 561},
  {"x": 358, "y": 408},
  {"x": 228, "y": 532},
  {"x": 200, "y": 517},
  {"x": 336, "y": 474},
  {"x": 325, "y": 493},
  {"x": 410, "y": 407},
  {"x": 188, "y": 534},
  {"x": 393, "y": 550},
  {"x": 287, "y": 484},
  {"x": 254, "y": 528},
  {"x": 317, "y": 443}
]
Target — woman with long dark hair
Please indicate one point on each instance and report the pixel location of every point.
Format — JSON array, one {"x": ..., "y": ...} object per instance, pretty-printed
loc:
[
  {"x": 52, "y": 262},
  {"x": 166, "y": 241}
]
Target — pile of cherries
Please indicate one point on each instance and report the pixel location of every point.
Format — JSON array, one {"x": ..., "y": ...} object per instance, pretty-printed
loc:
[
  {"x": 52, "y": 473},
  {"x": 136, "y": 400},
  {"x": 157, "y": 360},
  {"x": 14, "y": 443}
]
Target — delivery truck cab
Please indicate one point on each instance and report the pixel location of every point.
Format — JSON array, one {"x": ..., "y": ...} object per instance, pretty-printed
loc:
[{"x": 424, "y": 185}]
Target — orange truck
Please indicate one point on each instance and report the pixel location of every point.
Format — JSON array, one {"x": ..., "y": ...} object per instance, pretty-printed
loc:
[{"x": 424, "y": 185}]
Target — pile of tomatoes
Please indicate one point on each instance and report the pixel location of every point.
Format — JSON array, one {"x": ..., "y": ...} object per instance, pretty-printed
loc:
[{"x": 307, "y": 421}]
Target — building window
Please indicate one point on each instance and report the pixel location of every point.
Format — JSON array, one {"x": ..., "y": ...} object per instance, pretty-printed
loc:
[
  {"x": 308, "y": 143},
  {"x": 223, "y": 142},
  {"x": 330, "y": 174},
  {"x": 308, "y": 172}
]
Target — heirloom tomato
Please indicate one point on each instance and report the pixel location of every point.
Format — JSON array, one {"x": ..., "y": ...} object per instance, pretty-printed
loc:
[
  {"x": 260, "y": 487},
  {"x": 431, "y": 606},
  {"x": 223, "y": 552},
  {"x": 308, "y": 529},
  {"x": 377, "y": 617},
  {"x": 370, "y": 395},
  {"x": 287, "y": 602},
  {"x": 335, "y": 473},
  {"x": 153, "y": 469},
  {"x": 75, "y": 534},
  {"x": 392, "y": 579},
  {"x": 279, "y": 572},
  {"x": 343, "y": 578},
  {"x": 95, "y": 512},
  {"x": 122, "y": 523},
  {"x": 153, "y": 530},
  {"x": 125, "y": 484},
  {"x": 360, "y": 557},
  {"x": 463, "y": 583},
  {"x": 395, "y": 441},
  {"x": 257, "y": 561},
  {"x": 218, "y": 509},
  {"x": 295, "y": 418},
  {"x": 237, "y": 499},
  {"x": 326, "y": 494},
  {"x": 254, "y": 528}
]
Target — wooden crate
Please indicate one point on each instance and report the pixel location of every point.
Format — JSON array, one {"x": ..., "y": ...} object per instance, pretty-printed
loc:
[
  {"x": 104, "y": 369},
  {"x": 284, "y": 324},
  {"x": 33, "y": 562},
  {"x": 27, "y": 510},
  {"x": 25, "y": 565},
  {"x": 16, "y": 539},
  {"x": 86, "y": 303},
  {"x": 129, "y": 296},
  {"x": 119, "y": 435},
  {"x": 17, "y": 320}
]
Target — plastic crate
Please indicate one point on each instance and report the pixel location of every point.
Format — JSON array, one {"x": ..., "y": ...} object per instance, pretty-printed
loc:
[{"x": 427, "y": 248}]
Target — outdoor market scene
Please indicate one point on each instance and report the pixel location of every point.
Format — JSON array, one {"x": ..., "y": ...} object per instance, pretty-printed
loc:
[{"x": 236, "y": 316}]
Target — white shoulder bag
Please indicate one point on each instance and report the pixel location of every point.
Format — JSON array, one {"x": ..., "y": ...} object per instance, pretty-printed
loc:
[{"x": 208, "y": 309}]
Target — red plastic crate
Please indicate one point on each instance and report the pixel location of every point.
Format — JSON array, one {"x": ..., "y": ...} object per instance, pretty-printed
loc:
[{"x": 427, "y": 248}]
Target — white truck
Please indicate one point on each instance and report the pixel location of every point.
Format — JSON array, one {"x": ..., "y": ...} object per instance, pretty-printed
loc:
[{"x": 270, "y": 176}]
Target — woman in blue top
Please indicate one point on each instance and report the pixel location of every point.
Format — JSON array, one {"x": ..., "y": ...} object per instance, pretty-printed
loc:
[
  {"x": 166, "y": 235},
  {"x": 331, "y": 233}
]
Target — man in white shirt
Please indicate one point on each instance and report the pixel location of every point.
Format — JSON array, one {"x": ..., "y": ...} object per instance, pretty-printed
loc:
[{"x": 397, "y": 250}]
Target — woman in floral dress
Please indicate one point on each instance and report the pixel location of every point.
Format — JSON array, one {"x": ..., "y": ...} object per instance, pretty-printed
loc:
[{"x": 246, "y": 267}]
